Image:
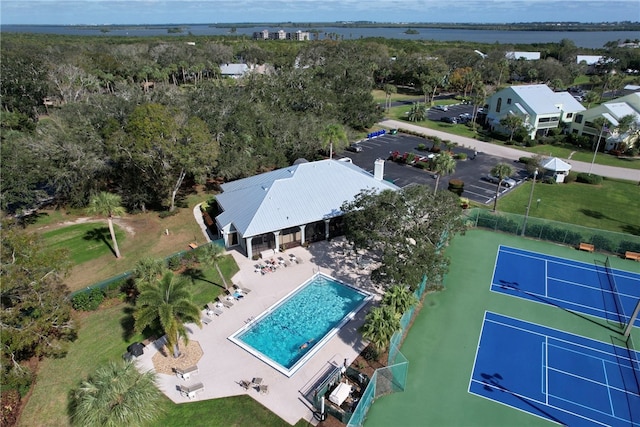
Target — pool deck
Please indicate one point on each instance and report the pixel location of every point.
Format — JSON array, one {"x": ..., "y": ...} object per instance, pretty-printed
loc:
[{"x": 224, "y": 364}]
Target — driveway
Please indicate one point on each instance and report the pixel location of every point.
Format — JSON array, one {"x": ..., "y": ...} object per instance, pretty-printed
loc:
[{"x": 471, "y": 172}]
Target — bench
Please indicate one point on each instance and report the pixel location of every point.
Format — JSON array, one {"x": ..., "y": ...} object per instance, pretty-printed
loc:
[
  {"x": 586, "y": 247},
  {"x": 632, "y": 255},
  {"x": 192, "y": 390},
  {"x": 185, "y": 374},
  {"x": 193, "y": 245}
]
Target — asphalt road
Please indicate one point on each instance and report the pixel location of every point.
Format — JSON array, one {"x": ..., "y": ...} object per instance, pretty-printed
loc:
[{"x": 471, "y": 172}]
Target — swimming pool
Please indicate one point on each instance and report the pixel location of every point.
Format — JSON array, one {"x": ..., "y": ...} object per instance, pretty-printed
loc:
[{"x": 287, "y": 334}]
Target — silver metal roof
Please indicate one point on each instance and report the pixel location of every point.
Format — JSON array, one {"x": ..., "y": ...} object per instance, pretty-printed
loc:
[
  {"x": 542, "y": 100},
  {"x": 293, "y": 196}
]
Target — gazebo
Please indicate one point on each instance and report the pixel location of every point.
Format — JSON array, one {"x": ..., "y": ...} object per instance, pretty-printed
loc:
[{"x": 557, "y": 167}]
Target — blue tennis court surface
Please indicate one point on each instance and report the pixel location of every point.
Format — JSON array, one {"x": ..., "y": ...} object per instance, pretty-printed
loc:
[
  {"x": 586, "y": 288},
  {"x": 565, "y": 378}
]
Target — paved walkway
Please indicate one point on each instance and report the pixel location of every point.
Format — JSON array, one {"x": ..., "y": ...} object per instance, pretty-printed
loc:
[
  {"x": 224, "y": 364},
  {"x": 513, "y": 153},
  {"x": 197, "y": 214}
]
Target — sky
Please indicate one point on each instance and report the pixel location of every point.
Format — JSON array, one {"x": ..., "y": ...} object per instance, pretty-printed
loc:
[{"x": 70, "y": 12}]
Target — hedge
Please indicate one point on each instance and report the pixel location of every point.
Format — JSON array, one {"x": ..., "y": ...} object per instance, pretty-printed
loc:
[{"x": 589, "y": 179}]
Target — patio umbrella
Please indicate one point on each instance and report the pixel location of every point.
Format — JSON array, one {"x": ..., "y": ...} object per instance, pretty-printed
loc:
[{"x": 136, "y": 349}]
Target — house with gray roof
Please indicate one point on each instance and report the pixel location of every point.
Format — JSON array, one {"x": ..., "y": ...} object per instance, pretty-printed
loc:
[
  {"x": 293, "y": 205},
  {"x": 539, "y": 107}
]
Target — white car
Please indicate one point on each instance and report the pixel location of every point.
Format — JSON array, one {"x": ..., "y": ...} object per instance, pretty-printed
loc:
[
  {"x": 506, "y": 182},
  {"x": 441, "y": 107}
]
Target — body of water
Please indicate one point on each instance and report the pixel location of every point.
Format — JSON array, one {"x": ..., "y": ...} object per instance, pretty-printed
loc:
[{"x": 585, "y": 39}]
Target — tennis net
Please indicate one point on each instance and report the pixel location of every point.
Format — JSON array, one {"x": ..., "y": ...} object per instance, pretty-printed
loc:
[{"x": 622, "y": 316}]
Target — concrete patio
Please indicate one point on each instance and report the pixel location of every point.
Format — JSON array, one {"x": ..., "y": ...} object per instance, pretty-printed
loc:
[{"x": 224, "y": 364}]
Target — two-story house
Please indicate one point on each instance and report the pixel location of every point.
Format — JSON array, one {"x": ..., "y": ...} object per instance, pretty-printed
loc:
[
  {"x": 612, "y": 111},
  {"x": 539, "y": 107}
]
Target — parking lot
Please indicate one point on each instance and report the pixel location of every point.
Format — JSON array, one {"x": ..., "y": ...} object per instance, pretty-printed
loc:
[{"x": 472, "y": 172}]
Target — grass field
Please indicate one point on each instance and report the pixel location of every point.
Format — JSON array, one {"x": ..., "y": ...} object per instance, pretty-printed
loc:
[
  {"x": 609, "y": 206},
  {"x": 85, "y": 242},
  {"x": 442, "y": 342}
]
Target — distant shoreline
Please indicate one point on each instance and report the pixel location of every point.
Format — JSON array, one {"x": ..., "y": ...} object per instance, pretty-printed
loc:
[{"x": 528, "y": 26}]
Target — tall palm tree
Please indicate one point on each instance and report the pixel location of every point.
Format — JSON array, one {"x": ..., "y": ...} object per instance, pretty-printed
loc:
[
  {"x": 211, "y": 255},
  {"x": 166, "y": 303},
  {"x": 109, "y": 205},
  {"x": 333, "y": 134},
  {"x": 116, "y": 395},
  {"x": 379, "y": 326},
  {"x": 389, "y": 90},
  {"x": 501, "y": 171},
  {"x": 400, "y": 298},
  {"x": 443, "y": 164}
]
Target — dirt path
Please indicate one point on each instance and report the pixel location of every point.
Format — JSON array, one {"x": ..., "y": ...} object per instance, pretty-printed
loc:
[{"x": 119, "y": 221}]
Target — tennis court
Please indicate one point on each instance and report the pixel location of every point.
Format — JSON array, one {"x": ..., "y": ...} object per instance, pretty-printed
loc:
[
  {"x": 565, "y": 378},
  {"x": 595, "y": 289},
  {"x": 443, "y": 354}
]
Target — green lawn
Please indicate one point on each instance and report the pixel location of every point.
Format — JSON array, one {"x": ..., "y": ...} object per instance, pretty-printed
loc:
[
  {"x": 613, "y": 205},
  {"x": 85, "y": 242}
]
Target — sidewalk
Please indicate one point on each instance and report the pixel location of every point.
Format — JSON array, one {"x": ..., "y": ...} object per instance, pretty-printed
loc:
[{"x": 513, "y": 153}]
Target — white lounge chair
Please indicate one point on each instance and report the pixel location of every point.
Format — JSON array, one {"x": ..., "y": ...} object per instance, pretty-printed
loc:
[
  {"x": 186, "y": 373},
  {"x": 206, "y": 320},
  {"x": 192, "y": 390}
]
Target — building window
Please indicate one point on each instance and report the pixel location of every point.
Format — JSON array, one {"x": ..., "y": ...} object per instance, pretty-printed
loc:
[
  {"x": 569, "y": 115},
  {"x": 579, "y": 118},
  {"x": 509, "y": 101},
  {"x": 499, "y": 105}
]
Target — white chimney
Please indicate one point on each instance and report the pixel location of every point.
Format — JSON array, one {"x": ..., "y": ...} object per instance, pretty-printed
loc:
[{"x": 378, "y": 169}]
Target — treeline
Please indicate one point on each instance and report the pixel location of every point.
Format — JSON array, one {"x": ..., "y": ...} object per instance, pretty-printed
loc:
[{"x": 141, "y": 117}]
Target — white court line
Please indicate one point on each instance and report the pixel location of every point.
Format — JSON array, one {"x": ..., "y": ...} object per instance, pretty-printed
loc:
[
  {"x": 546, "y": 371},
  {"x": 546, "y": 278}
]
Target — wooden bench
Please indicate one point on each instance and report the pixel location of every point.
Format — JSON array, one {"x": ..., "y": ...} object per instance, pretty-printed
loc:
[
  {"x": 185, "y": 374},
  {"x": 587, "y": 247},
  {"x": 632, "y": 255},
  {"x": 193, "y": 245}
]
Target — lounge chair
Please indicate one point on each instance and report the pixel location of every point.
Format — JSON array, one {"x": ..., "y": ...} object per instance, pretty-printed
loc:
[
  {"x": 256, "y": 382},
  {"x": 192, "y": 390},
  {"x": 186, "y": 373},
  {"x": 225, "y": 302},
  {"x": 245, "y": 384},
  {"x": 206, "y": 320},
  {"x": 264, "y": 389},
  {"x": 240, "y": 288}
]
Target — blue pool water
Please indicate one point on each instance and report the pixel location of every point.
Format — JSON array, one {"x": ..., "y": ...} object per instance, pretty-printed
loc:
[{"x": 301, "y": 323}]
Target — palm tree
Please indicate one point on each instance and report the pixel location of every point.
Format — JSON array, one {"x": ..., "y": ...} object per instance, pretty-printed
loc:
[
  {"x": 501, "y": 171},
  {"x": 379, "y": 326},
  {"x": 148, "y": 269},
  {"x": 108, "y": 205},
  {"x": 116, "y": 395},
  {"x": 443, "y": 164},
  {"x": 333, "y": 134},
  {"x": 399, "y": 298},
  {"x": 166, "y": 303},
  {"x": 211, "y": 256},
  {"x": 388, "y": 91}
]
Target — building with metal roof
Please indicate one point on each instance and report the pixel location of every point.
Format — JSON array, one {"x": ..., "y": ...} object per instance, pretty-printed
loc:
[
  {"x": 612, "y": 111},
  {"x": 292, "y": 205},
  {"x": 539, "y": 107}
]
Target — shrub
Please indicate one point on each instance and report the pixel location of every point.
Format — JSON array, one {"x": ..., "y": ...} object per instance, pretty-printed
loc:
[
  {"x": 174, "y": 262},
  {"x": 531, "y": 143},
  {"x": 525, "y": 160},
  {"x": 88, "y": 300},
  {"x": 10, "y": 407},
  {"x": 422, "y": 147},
  {"x": 14, "y": 379},
  {"x": 628, "y": 246},
  {"x": 422, "y": 165},
  {"x": 571, "y": 177},
  {"x": 167, "y": 214},
  {"x": 456, "y": 186},
  {"x": 602, "y": 243},
  {"x": 549, "y": 180},
  {"x": 461, "y": 156},
  {"x": 589, "y": 179}
]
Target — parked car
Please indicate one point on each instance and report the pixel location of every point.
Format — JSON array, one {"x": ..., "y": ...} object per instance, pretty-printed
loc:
[
  {"x": 446, "y": 119},
  {"x": 393, "y": 131},
  {"x": 354, "y": 148},
  {"x": 507, "y": 182},
  {"x": 441, "y": 107},
  {"x": 464, "y": 118}
]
